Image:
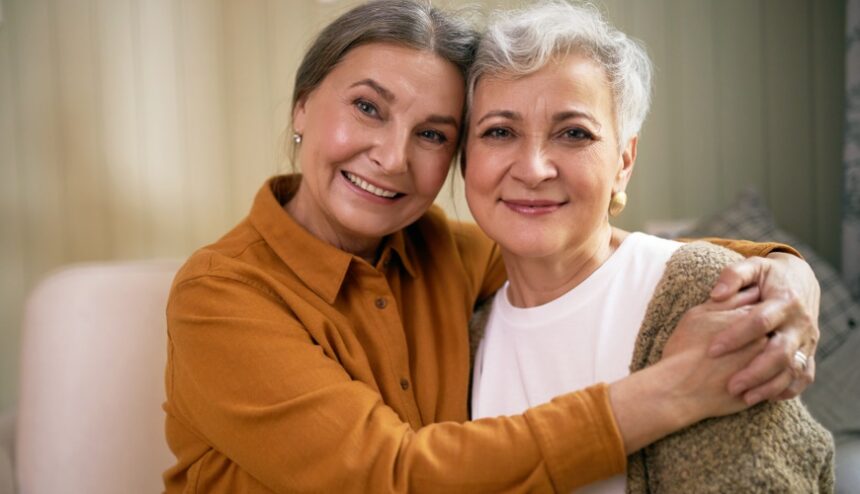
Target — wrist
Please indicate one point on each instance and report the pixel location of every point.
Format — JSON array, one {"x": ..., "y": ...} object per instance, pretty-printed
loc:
[{"x": 648, "y": 406}]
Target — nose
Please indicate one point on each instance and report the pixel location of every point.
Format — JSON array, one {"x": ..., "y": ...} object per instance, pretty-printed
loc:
[
  {"x": 390, "y": 150},
  {"x": 532, "y": 166}
]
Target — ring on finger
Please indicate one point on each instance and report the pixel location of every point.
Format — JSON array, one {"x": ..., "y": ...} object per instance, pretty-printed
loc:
[{"x": 801, "y": 359}]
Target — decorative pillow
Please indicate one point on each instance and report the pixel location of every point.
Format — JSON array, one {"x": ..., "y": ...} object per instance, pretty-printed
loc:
[{"x": 834, "y": 398}]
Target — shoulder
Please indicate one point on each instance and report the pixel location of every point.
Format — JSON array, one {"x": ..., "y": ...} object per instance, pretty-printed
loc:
[
  {"x": 241, "y": 257},
  {"x": 697, "y": 263}
]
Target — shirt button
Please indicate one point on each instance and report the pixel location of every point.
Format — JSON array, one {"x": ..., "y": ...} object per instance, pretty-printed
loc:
[
  {"x": 381, "y": 303},
  {"x": 404, "y": 384}
]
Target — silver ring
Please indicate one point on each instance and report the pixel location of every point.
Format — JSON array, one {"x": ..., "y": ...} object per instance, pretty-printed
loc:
[{"x": 801, "y": 359}]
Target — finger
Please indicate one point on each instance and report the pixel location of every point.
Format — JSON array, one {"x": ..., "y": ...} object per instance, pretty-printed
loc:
[
  {"x": 747, "y": 296},
  {"x": 738, "y": 275},
  {"x": 801, "y": 381},
  {"x": 777, "y": 357},
  {"x": 793, "y": 390},
  {"x": 770, "y": 390},
  {"x": 761, "y": 320}
]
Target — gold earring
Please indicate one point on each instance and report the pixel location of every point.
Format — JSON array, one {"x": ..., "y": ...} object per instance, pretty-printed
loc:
[
  {"x": 297, "y": 138},
  {"x": 617, "y": 203}
]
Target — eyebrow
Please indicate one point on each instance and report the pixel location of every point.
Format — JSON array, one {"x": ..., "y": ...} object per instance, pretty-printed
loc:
[
  {"x": 443, "y": 120},
  {"x": 562, "y": 116},
  {"x": 501, "y": 113},
  {"x": 558, "y": 117},
  {"x": 384, "y": 93}
]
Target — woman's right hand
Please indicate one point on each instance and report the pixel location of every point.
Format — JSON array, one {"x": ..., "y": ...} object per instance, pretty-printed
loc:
[
  {"x": 686, "y": 385},
  {"x": 700, "y": 382}
]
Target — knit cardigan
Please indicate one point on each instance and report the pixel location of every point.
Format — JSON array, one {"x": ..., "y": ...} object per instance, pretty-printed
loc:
[{"x": 771, "y": 447}]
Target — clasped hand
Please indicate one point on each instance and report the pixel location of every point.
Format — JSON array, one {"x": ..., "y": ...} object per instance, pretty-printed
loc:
[{"x": 762, "y": 313}]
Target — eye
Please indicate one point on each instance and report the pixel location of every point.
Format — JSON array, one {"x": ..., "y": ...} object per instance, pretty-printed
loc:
[
  {"x": 366, "y": 107},
  {"x": 497, "y": 133},
  {"x": 434, "y": 136},
  {"x": 577, "y": 134}
]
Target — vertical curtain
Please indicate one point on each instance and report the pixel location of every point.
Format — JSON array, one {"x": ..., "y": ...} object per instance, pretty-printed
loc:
[{"x": 851, "y": 206}]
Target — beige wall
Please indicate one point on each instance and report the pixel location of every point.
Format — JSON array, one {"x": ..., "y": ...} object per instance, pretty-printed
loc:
[{"x": 142, "y": 128}]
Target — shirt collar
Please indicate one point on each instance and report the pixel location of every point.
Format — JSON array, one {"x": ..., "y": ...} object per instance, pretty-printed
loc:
[{"x": 320, "y": 265}]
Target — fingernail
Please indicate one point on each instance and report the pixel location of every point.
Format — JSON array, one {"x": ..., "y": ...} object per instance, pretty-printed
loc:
[
  {"x": 719, "y": 289},
  {"x": 752, "y": 399},
  {"x": 716, "y": 350}
]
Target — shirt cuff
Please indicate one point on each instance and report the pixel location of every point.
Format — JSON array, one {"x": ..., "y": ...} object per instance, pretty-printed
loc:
[{"x": 579, "y": 438}]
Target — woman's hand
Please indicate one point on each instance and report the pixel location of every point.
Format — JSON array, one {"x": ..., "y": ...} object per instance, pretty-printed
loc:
[
  {"x": 686, "y": 385},
  {"x": 702, "y": 378},
  {"x": 788, "y": 314}
]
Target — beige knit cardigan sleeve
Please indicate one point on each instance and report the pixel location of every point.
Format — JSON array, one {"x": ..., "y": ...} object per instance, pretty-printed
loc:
[{"x": 772, "y": 447}]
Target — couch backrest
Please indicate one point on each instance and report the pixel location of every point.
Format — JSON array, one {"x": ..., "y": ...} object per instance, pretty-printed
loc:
[{"x": 92, "y": 381}]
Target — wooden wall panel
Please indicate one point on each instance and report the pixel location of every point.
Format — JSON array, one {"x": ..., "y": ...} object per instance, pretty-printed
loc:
[
  {"x": 43, "y": 199},
  {"x": 739, "y": 129},
  {"x": 143, "y": 128},
  {"x": 12, "y": 253},
  {"x": 827, "y": 96},
  {"x": 204, "y": 120},
  {"x": 657, "y": 142},
  {"x": 787, "y": 93},
  {"x": 120, "y": 79},
  {"x": 163, "y": 155},
  {"x": 250, "y": 113},
  {"x": 80, "y": 138}
]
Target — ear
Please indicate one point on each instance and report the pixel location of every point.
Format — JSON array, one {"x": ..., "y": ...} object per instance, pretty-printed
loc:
[
  {"x": 299, "y": 112},
  {"x": 625, "y": 164}
]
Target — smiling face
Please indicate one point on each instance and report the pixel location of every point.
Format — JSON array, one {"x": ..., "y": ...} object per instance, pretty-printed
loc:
[
  {"x": 543, "y": 159},
  {"x": 378, "y": 136}
]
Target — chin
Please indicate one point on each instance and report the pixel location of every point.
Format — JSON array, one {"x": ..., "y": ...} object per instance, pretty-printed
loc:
[{"x": 529, "y": 247}]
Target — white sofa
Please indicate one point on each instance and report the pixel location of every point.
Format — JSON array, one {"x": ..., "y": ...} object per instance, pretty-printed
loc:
[{"x": 89, "y": 416}]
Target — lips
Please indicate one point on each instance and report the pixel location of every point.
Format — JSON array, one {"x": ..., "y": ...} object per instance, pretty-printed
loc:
[
  {"x": 533, "y": 207},
  {"x": 369, "y": 187}
]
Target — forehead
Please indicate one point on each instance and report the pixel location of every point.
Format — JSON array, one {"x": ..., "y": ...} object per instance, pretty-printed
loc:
[
  {"x": 575, "y": 80},
  {"x": 405, "y": 71}
]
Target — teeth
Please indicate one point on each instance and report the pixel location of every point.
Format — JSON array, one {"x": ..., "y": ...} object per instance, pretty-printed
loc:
[{"x": 370, "y": 187}]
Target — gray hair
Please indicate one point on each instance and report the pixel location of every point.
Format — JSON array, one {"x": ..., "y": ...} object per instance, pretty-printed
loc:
[
  {"x": 521, "y": 42},
  {"x": 413, "y": 23}
]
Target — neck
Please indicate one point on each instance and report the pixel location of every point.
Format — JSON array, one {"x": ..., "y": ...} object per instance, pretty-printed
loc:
[
  {"x": 537, "y": 281},
  {"x": 320, "y": 225}
]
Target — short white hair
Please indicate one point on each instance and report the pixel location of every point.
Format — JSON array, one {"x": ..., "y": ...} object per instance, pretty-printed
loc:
[{"x": 520, "y": 42}]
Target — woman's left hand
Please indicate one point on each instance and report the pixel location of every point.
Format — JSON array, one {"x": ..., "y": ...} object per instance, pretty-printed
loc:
[{"x": 788, "y": 313}]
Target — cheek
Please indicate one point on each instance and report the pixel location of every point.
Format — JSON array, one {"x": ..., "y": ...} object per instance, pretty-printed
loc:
[{"x": 431, "y": 172}]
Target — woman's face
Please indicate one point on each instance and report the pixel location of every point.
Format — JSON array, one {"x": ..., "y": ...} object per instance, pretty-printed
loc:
[
  {"x": 378, "y": 136},
  {"x": 543, "y": 158}
]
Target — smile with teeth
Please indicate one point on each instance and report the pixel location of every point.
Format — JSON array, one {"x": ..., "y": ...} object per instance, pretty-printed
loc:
[{"x": 357, "y": 181}]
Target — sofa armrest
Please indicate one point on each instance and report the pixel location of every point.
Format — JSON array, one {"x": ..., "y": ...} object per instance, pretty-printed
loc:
[{"x": 7, "y": 451}]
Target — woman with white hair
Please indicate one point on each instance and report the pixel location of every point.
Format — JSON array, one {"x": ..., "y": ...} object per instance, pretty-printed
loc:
[{"x": 557, "y": 97}]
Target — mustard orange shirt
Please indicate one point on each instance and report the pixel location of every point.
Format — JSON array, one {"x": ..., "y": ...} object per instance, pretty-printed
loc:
[{"x": 297, "y": 367}]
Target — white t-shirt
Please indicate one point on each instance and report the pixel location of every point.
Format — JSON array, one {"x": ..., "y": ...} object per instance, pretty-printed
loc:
[{"x": 529, "y": 356}]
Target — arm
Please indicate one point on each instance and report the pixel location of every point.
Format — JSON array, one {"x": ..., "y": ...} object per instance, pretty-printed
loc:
[
  {"x": 250, "y": 380},
  {"x": 716, "y": 455}
]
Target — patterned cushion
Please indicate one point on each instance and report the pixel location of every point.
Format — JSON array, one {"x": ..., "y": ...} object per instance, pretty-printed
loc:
[{"x": 833, "y": 398}]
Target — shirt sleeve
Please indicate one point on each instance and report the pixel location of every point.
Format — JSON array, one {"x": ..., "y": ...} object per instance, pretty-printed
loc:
[
  {"x": 247, "y": 378},
  {"x": 748, "y": 248}
]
